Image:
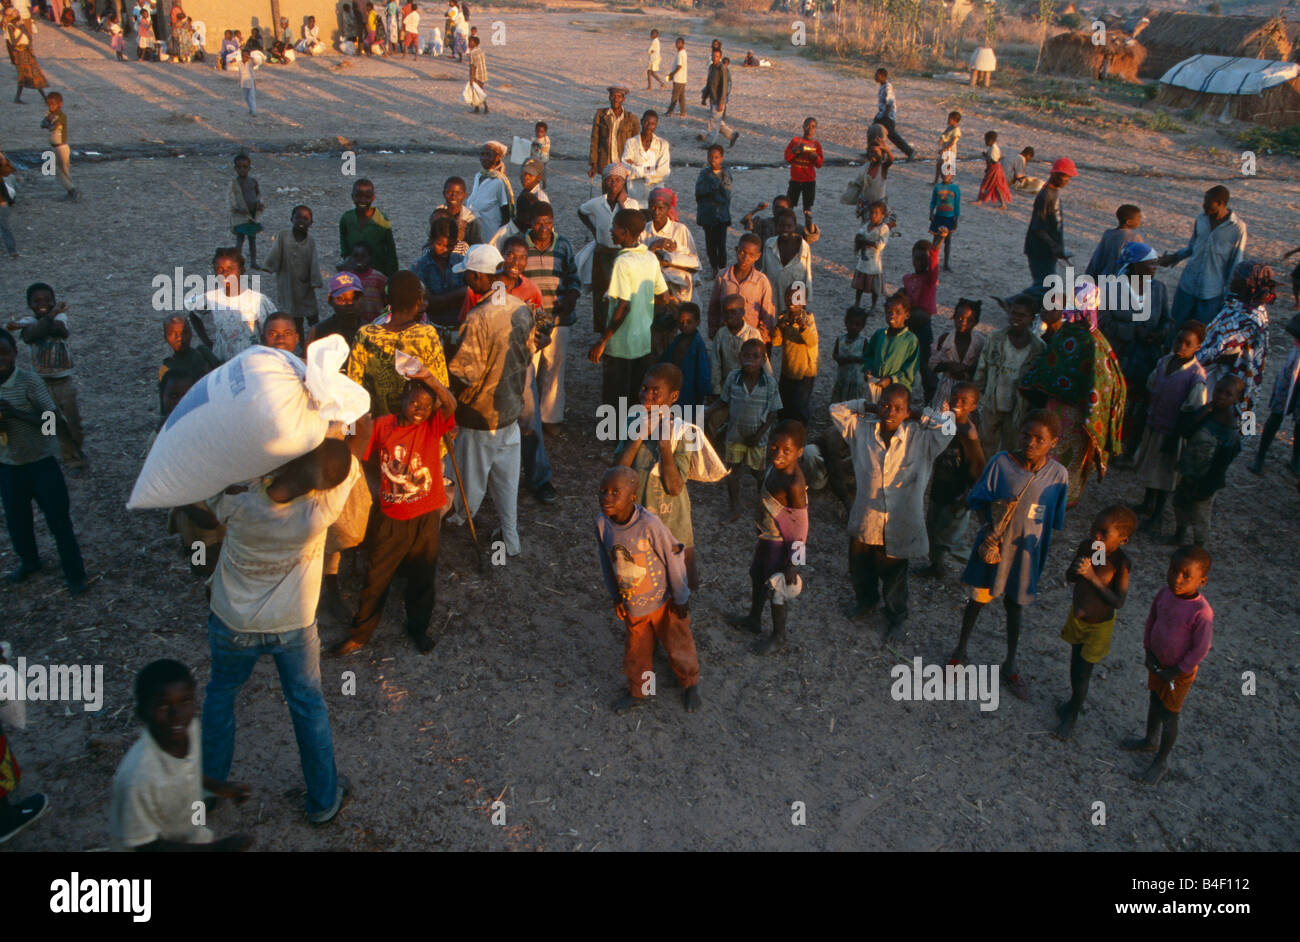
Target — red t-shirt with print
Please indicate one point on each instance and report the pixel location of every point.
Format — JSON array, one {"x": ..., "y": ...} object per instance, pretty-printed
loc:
[{"x": 410, "y": 466}]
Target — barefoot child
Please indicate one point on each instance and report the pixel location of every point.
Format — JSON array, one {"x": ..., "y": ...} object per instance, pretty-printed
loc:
[
  {"x": 1019, "y": 499},
  {"x": 893, "y": 455},
  {"x": 1178, "y": 634},
  {"x": 1177, "y": 387},
  {"x": 661, "y": 466},
  {"x": 848, "y": 352},
  {"x": 1213, "y": 440},
  {"x": 29, "y": 472},
  {"x": 159, "y": 782},
  {"x": 893, "y": 352},
  {"x": 955, "y": 471},
  {"x": 1008, "y": 355},
  {"x": 407, "y": 448},
  {"x": 56, "y": 122},
  {"x": 753, "y": 401},
  {"x": 869, "y": 244},
  {"x": 945, "y": 211},
  {"x": 921, "y": 287},
  {"x": 994, "y": 184},
  {"x": 946, "y": 162},
  {"x": 782, "y": 534},
  {"x": 296, "y": 267},
  {"x": 1099, "y": 572},
  {"x": 245, "y": 208},
  {"x": 45, "y": 331},
  {"x": 646, "y": 577}
]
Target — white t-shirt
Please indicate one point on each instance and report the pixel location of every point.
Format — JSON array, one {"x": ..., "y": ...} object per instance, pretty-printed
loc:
[
  {"x": 679, "y": 78},
  {"x": 654, "y": 54},
  {"x": 268, "y": 576},
  {"x": 234, "y": 323},
  {"x": 869, "y": 259},
  {"x": 598, "y": 211},
  {"x": 200, "y": 32},
  {"x": 412, "y": 22},
  {"x": 154, "y": 795},
  {"x": 487, "y": 197}
]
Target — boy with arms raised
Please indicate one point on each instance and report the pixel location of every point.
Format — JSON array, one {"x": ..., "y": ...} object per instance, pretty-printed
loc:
[
  {"x": 893, "y": 456},
  {"x": 646, "y": 577},
  {"x": 1100, "y": 572},
  {"x": 46, "y": 332}
]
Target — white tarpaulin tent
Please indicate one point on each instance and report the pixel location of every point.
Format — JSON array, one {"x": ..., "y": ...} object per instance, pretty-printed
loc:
[
  {"x": 1264, "y": 91},
  {"x": 1224, "y": 75}
]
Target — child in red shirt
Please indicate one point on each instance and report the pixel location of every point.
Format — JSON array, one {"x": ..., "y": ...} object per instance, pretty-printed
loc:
[
  {"x": 804, "y": 155},
  {"x": 922, "y": 290},
  {"x": 406, "y": 447}
]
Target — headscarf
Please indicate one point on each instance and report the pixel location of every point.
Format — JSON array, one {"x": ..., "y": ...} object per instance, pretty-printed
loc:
[
  {"x": 615, "y": 170},
  {"x": 1258, "y": 283},
  {"x": 1135, "y": 253},
  {"x": 662, "y": 192},
  {"x": 1084, "y": 308},
  {"x": 497, "y": 146}
]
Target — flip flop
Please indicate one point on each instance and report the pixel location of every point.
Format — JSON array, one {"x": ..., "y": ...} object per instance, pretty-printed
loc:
[{"x": 1019, "y": 688}]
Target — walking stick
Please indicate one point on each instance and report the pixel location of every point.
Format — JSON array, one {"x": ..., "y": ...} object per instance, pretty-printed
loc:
[{"x": 469, "y": 517}]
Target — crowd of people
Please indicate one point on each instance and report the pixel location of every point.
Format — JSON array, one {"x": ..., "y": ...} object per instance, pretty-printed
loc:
[{"x": 464, "y": 352}]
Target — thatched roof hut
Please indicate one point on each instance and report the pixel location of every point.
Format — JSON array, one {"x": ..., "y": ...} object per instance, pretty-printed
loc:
[
  {"x": 1172, "y": 37},
  {"x": 1075, "y": 54},
  {"x": 1262, "y": 91}
]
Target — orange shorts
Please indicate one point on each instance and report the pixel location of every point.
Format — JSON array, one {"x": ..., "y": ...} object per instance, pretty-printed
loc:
[{"x": 1171, "y": 697}]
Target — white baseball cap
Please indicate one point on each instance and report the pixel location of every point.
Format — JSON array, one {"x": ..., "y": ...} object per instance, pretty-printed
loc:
[{"x": 480, "y": 258}]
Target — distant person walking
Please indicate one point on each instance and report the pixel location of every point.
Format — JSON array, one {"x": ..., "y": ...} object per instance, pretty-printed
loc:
[{"x": 887, "y": 113}]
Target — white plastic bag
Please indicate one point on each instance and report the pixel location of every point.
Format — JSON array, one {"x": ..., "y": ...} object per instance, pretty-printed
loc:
[
  {"x": 472, "y": 94},
  {"x": 706, "y": 466},
  {"x": 520, "y": 150},
  {"x": 246, "y": 418}
]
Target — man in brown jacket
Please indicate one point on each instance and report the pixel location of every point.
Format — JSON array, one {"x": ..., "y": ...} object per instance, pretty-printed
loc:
[{"x": 610, "y": 130}]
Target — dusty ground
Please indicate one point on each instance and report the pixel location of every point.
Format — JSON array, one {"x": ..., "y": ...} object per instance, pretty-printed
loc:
[{"x": 514, "y": 703}]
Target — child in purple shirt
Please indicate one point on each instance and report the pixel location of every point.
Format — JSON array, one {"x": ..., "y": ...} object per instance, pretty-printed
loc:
[{"x": 1180, "y": 627}]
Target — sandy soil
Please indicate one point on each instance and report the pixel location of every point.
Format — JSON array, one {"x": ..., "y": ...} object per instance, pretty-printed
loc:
[{"x": 514, "y": 703}]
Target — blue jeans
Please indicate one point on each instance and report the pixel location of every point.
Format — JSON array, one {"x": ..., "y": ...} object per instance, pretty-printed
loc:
[
  {"x": 250, "y": 99},
  {"x": 297, "y": 658},
  {"x": 536, "y": 466}
]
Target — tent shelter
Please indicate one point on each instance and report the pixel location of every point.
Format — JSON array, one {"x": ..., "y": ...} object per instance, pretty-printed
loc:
[{"x": 1264, "y": 91}]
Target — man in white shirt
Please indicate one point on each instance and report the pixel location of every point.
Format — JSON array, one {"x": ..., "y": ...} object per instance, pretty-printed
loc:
[
  {"x": 159, "y": 782},
  {"x": 264, "y": 595},
  {"x": 647, "y": 158},
  {"x": 678, "y": 77}
]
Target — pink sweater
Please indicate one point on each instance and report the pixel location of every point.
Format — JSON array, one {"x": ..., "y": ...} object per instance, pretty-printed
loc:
[{"x": 1179, "y": 631}]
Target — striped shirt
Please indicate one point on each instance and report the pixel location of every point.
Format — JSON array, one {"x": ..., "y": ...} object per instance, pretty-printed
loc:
[
  {"x": 554, "y": 271},
  {"x": 22, "y": 442},
  {"x": 749, "y": 409}
]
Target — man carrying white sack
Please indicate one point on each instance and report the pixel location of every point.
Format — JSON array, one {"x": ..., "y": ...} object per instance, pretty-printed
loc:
[
  {"x": 264, "y": 596},
  {"x": 488, "y": 371}
]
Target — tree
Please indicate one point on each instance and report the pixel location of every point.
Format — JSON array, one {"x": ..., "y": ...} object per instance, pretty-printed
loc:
[{"x": 1045, "y": 8}]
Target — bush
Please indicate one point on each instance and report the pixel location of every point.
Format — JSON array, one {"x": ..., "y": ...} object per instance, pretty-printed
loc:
[{"x": 1284, "y": 141}]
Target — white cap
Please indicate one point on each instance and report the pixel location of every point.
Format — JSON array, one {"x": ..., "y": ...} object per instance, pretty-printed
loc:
[{"x": 480, "y": 258}]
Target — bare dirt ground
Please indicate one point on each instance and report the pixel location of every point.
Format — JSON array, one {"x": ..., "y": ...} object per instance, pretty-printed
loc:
[{"x": 513, "y": 705}]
